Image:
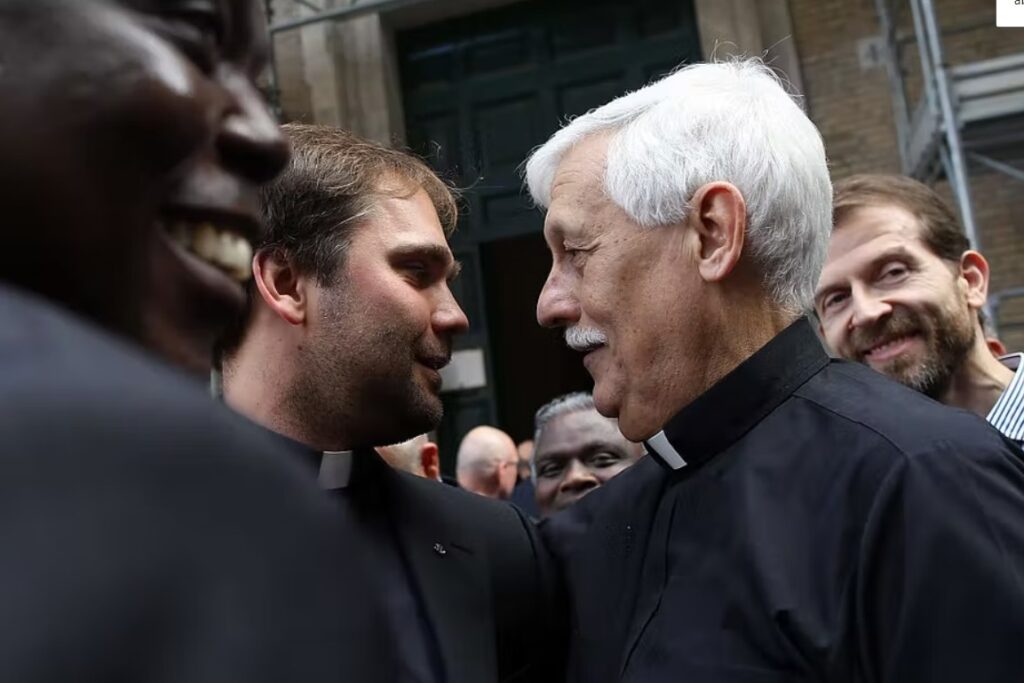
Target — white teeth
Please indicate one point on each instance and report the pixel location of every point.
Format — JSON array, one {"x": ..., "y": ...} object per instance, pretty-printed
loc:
[
  {"x": 225, "y": 249},
  {"x": 205, "y": 242}
]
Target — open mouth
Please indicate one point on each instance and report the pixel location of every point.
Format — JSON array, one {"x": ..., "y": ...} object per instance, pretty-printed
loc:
[
  {"x": 889, "y": 348},
  {"x": 223, "y": 247}
]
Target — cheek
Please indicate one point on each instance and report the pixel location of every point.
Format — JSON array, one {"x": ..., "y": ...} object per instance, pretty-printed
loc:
[
  {"x": 834, "y": 335},
  {"x": 546, "y": 489}
]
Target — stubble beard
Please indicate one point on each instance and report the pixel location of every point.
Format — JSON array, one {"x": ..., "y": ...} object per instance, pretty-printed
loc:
[{"x": 360, "y": 387}]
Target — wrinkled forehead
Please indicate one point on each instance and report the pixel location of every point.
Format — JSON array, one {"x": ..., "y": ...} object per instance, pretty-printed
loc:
[{"x": 867, "y": 229}]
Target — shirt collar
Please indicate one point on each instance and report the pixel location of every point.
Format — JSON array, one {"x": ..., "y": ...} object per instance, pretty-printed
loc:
[
  {"x": 1007, "y": 415},
  {"x": 334, "y": 468},
  {"x": 741, "y": 399}
]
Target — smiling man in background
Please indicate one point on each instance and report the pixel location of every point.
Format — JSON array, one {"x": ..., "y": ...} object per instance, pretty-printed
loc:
[
  {"x": 577, "y": 451},
  {"x": 148, "y": 533},
  {"x": 903, "y": 292}
]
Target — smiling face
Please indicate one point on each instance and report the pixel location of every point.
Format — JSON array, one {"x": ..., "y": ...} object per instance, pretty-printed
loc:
[
  {"x": 578, "y": 452},
  {"x": 384, "y": 328},
  {"x": 133, "y": 145},
  {"x": 886, "y": 300},
  {"x": 620, "y": 291}
]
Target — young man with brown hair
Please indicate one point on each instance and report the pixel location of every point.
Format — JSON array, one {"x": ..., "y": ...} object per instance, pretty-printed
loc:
[{"x": 351, "y": 318}]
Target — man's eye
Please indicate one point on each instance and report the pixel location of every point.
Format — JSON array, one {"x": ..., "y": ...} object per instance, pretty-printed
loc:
[
  {"x": 418, "y": 271},
  {"x": 833, "y": 300},
  {"x": 894, "y": 272},
  {"x": 548, "y": 470},
  {"x": 604, "y": 460}
]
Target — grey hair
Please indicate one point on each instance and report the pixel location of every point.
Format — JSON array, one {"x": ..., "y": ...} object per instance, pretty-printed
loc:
[
  {"x": 563, "y": 405},
  {"x": 729, "y": 121}
]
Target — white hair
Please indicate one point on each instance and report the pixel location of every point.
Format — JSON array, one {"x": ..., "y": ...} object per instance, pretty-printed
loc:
[{"x": 728, "y": 121}]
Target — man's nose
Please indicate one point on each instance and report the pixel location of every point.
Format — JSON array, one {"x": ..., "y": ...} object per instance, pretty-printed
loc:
[
  {"x": 249, "y": 141},
  {"x": 577, "y": 478},
  {"x": 557, "y": 305},
  {"x": 448, "y": 317},
  {"x": 867, "y": 309}
]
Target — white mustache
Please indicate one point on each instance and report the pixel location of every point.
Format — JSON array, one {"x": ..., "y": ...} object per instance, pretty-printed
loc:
[{"x": 584, "y": 338}]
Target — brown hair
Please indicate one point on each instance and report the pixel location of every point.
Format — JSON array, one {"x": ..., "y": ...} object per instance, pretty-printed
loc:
[
  {"x": 332, "y": 183},
  {"x": 940, "y": 229},
  {"x": 334, "y": 179}
]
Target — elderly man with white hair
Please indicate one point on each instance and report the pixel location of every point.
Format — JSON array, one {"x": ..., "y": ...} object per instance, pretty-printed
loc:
[{"x": 799, "y": 518}]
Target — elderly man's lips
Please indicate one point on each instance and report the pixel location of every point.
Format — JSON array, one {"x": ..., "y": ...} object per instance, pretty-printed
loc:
[{"x": 589, "y": 357}]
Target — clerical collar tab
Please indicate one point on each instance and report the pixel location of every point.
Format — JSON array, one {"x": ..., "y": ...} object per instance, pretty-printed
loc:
[
  {"x": 662, "y": 450},
  {"x": 335, "y": 470}
]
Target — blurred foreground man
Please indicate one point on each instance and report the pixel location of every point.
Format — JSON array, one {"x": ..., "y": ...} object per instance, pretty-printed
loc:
[
  {"x": 351, "y": 319},
  {"x": 797, "y": 518},
  {"x": 148, "y": 534},
  {"x": 902, "y": 292},
  {"x": 577, "y": 451}
]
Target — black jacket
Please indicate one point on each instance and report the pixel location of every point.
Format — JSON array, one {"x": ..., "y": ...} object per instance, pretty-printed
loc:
[
  {"x": 148, "y": 534},
  {"x": 805, "y": 519},
  {"x": 484, "y": 578}
]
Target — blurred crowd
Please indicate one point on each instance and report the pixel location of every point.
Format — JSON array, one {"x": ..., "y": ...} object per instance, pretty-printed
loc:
[{"x": 801, "y": 459}]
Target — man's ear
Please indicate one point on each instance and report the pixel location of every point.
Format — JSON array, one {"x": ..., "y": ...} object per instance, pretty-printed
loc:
[
  {"x": 280, "y": 285},
  {"x": 430, "y": 460},
  {"x": 719, "y": 217},
  {"x": 974, "y": 272}
]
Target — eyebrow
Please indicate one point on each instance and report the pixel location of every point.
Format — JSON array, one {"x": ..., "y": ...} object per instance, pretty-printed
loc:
[
  {"x": 894, "y": 252},
  {"x": 431, "y": 252}
]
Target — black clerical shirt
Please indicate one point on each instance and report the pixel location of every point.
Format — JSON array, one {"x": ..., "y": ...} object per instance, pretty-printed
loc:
[
  {"x": 805, "y": 519},
  {"x": 353, "y": 478}
]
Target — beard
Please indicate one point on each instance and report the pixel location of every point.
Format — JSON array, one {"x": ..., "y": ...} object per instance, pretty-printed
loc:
[
  {"x": 361, "y": 385},
  {"x": 948, "y": 336}
]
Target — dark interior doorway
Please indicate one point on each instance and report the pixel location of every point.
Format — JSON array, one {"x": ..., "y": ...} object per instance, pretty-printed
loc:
[{"x": 531, "y": 364}]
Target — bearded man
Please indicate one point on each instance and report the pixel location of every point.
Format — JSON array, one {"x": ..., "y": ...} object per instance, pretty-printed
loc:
[
  {"x": 350, "y": 320},
  {"x": 903, "y": 293}
]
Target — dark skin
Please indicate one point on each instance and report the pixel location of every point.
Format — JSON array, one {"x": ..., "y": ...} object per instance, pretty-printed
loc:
[
  {"x": 121, "y": 118},
  {"x": 577, "y": 453}
]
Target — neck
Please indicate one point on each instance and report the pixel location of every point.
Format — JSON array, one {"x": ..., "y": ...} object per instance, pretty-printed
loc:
[
  {"x": 260, "y": 382},
  {"x": 736, "y": 329},
  {"x": 732, "y": 329},
  {"x": 979, "y": 381}
]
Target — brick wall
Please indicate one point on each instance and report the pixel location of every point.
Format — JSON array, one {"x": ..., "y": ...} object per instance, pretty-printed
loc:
[{"x": 852, "y": 107}]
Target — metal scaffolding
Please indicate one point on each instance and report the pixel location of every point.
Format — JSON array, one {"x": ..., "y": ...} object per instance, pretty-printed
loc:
[{"x": 968, "y": 114}]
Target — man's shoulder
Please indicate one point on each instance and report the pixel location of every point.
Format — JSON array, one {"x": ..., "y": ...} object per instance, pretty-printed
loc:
[
  {"x": 68, "y": 387},
  {"x": 883, "y": 411},
  {"x": 459, "y": 504}
]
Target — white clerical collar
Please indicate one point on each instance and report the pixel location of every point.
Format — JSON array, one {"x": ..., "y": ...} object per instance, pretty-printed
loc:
[
  {"x": 335, "y": 470},
  {"x": 662, "y": 449}
]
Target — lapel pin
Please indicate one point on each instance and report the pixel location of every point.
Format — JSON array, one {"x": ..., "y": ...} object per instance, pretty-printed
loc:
[{"x": 440, "y": 549}]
